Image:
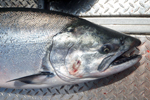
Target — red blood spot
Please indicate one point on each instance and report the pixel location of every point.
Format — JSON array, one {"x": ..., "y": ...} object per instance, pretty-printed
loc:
[
  {"x": 148, "y": 51},
  {"x": 105, "y": 93},
  {"x": 75, "y": 70},
  {"x": 75, "y": 67},
  {"x": 78, "y": 62}
]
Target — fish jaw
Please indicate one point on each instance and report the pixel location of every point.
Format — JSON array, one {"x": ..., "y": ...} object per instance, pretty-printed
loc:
[{"x": 115, "y": 68}]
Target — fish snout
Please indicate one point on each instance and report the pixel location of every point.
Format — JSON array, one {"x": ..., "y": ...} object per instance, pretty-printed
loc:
[{"x": 135, "y": 42}]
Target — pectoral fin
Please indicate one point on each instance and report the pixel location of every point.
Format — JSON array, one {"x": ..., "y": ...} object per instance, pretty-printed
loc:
[{"x": 35, "y": 78}]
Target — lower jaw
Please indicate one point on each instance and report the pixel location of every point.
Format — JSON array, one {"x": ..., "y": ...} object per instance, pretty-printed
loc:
[
  {"x": 113, "y": 69},
  {"x": 125, "y": 65},
  {"x": 121, "y": 60}
]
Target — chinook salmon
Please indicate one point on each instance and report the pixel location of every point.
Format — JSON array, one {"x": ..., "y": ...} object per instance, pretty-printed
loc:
[{"x": 40, "y": 48}]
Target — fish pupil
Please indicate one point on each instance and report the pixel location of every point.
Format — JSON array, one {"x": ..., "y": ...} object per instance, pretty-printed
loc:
[{"x": 105, "y": 48}]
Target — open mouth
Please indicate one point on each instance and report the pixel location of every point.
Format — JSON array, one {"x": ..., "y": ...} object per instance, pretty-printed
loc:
[
  {"x": 126, "y": 57},
  {"x": 123, "y": 59},
  {"x": 120, "y": 63}
]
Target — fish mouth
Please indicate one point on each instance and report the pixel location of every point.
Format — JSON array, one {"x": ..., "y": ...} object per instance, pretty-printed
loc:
[
  {"x": 118, "y": 63},
  {"x": 122, "y": 60},
  {"x": 121, "y": 63},
  {"x": 118, "y": 59}
]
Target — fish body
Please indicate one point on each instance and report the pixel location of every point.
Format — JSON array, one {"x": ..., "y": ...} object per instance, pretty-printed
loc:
[{"x": 40, "y": 48}]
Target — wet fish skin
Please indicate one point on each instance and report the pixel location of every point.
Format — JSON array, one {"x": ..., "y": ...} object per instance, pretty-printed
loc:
[{"x": 40, "y": 48}]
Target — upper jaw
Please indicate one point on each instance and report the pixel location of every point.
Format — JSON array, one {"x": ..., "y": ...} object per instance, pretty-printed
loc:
[
  {"x": 108, "y": 60},
  {"x": 113, "y": 69}
]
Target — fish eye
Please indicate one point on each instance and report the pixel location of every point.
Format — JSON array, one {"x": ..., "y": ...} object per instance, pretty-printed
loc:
[
  {"x": 107, "y": 48},
  {"x": 70, "y": 29}
]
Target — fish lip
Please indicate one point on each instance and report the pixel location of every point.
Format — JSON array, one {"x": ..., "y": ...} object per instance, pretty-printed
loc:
[
  {"x": 118, "y": 68},
  {"x": 114, "y": 69},
  {"x": 130, "y": 59},
  {"x": 112, "y": 58}
]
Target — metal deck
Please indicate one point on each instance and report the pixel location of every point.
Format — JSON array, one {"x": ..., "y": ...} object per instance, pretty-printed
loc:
[{"x": 130, "y": 17}]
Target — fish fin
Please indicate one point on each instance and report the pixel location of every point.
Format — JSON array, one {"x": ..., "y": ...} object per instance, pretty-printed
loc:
[{"x": 35, "y": 78}]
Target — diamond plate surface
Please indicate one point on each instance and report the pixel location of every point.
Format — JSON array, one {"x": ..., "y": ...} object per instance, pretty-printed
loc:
[
  {"x": 104, "y": 7},
  {"x": 131, "y": 84},
  {"x": 19, "y": 3},
  {"x": 120, "y": 7}
]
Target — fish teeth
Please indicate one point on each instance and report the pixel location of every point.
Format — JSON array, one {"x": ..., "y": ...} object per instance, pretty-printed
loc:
[{"x": 131, "y": 52}]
